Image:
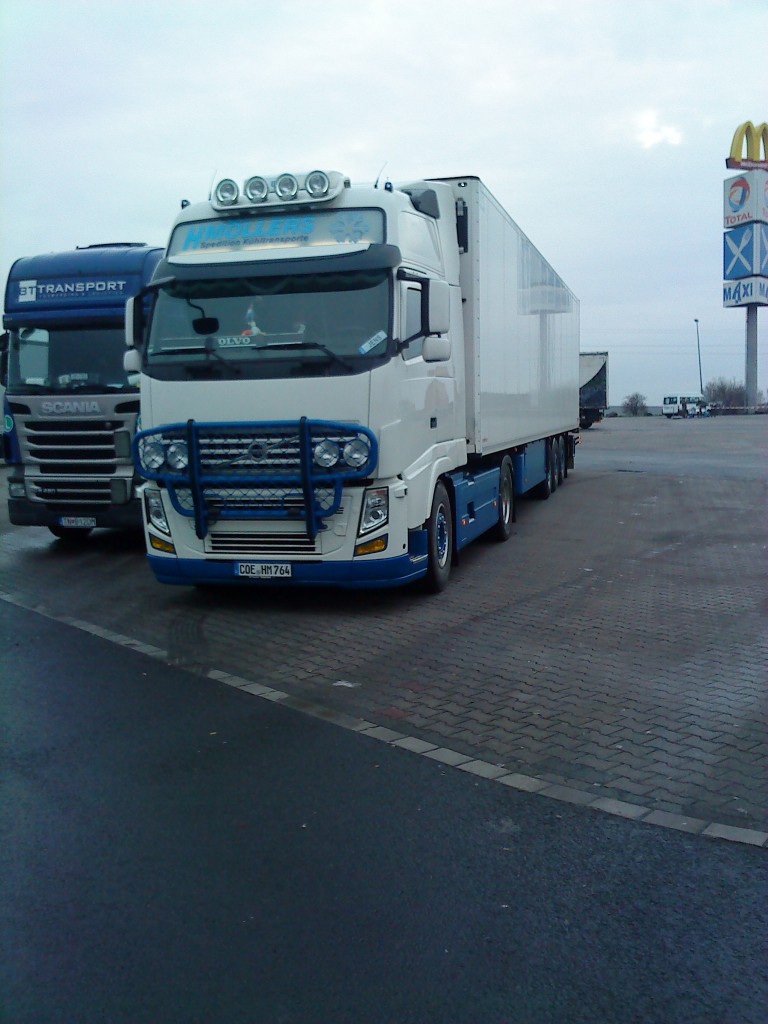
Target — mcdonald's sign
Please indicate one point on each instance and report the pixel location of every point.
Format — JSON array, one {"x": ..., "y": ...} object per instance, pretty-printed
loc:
[{"x": 754, "y": 138}]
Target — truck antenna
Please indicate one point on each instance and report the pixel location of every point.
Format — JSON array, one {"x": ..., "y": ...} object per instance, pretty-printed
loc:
[
  {"x": 376, "y": 183},
  {"x": 210, "y": 187}
]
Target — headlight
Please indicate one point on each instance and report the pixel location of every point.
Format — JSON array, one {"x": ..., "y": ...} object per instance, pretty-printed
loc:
[
  {"x": 227, "y": 192},
  {"x": 153, "y": 501},
  {"x": 286, "y": 186},
  {"x": 375, "y": 511},
  {"x": 152, "y": 455},
  {"x": 317, "y": 184},
  {"x": 356, "y": 453},
  {"x": 256, "y": 189},
  {"x": 326, "y": 453},
  {"x": 177, "y": 455}
]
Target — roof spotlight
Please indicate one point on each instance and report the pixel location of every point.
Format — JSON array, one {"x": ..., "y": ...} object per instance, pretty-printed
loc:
[
  {"x": 317, "y": 184},
  {"x": 256, "y": 189},
  {"x": 227, "y": 192},
  {"x": 286, "y": 186}
]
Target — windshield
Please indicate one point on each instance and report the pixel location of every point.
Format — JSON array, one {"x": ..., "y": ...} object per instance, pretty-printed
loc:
[
  {"x": 59, "y": 360},
  {"x": 270, "y": 327}
]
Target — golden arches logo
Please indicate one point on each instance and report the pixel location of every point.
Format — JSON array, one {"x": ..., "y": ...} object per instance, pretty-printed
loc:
[{"x": 756, "y": 138}]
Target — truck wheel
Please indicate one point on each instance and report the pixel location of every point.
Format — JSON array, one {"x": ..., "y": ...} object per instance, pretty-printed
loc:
[
  {"x": 562, "y": 471},
  {"x": 439, "y": 540},
  {"x": 545, "y": 488},
  {"x": 503, "y": 529},
  {"x": 552, "y": 451},
  {"x": 70, "y": 534}
]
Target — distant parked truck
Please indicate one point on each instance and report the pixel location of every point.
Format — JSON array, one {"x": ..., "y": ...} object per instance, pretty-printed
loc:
[
  {"x": 70, "y": 409},
  {"x": 593, "y": 387}
]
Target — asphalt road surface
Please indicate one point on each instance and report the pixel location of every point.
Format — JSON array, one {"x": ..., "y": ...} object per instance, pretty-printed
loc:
[{"x": 177, "y": 851}]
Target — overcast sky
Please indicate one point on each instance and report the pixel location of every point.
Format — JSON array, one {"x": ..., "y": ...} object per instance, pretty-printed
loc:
[{"x": 602, "y": 126}]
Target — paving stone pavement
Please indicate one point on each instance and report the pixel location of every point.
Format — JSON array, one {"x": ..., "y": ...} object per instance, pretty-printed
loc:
[{"x": 614, "y": 647}]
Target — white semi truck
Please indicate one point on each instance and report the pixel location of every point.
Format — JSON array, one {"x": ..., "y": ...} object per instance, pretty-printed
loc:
[{"x": 346, "y": 385}]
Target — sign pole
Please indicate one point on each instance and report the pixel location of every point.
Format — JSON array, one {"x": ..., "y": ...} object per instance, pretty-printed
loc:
[
  {"x": 750, "y": 371},
  {"x": 745, "y": 242}
]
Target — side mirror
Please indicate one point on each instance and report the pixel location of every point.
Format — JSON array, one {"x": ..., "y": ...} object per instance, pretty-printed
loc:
[
  {"x": 134, "y": 322},
  {"x": 132, "y": 361},
  {"x": 436, "y": 349},
  {"x": 438, "y": 307}
]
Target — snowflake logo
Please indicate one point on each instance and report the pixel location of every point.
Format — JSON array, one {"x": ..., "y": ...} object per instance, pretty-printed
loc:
[{"x": 349, "y": 227}]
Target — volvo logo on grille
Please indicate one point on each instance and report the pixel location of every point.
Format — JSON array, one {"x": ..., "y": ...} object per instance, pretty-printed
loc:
[
  {"x": 261, "y": 451},
  {"x": 256, "y": 450}
]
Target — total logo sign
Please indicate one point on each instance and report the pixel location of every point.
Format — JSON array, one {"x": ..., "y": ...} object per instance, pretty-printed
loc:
[
  {"x": 738, "y": 194},
  {"x": 745, "y": 199}
]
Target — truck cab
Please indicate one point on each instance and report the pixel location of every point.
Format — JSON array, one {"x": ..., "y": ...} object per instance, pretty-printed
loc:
[{"x": 70, "y": 408}]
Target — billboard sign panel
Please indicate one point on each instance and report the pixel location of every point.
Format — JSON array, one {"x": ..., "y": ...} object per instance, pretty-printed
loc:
[
  {"x": 749, "y": 291},
  {"x": 745, "y": 252},
  {"x": 745, "y": 198}
]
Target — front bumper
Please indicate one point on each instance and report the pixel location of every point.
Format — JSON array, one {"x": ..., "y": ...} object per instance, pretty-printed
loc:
[
  {"x": 359, "y": 573},
  {"x": 22, "y": 512}
]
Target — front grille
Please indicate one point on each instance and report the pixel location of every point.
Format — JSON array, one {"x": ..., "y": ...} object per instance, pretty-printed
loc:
[
  {"x": 260, "y": 452},
  {"x": 71, "y": 446},
  {"x": 267, "y": 544},
  {"x": 256, "y": 470},
  {"x": 279, "y": 501},
  {"x": 70, "y": 492},
  {"x": 239, "y": 454}
]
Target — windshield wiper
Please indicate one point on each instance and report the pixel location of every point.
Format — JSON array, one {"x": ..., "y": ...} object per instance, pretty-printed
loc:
[
  {"x": 84, "y": 386},
  {"x": 22, "y": 388},
  {"x": 208, "y": 349},
  {"x": 314, "y": 344}
]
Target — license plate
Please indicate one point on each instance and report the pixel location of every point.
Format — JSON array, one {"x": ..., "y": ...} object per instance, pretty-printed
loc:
[
  {"x": 263, "y": 570},
  {"x": 78, "y": 522}
]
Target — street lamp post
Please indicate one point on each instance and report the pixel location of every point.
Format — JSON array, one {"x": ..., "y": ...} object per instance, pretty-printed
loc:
[{"x": 698, "y": 349}]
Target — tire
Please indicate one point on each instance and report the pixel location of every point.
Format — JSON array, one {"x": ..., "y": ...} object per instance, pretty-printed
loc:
[
  {"x": 562, "y": 471},
  {"x": 543, "y": 490},
  {"x": 70, "y": 534},
  {"x": 502, "y": 531},
  {"x": 439, "y": 540},
  {"x": 552, "y": 450}
]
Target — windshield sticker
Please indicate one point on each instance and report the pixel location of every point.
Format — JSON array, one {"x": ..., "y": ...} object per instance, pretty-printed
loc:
[
  {"x": 372, "y": 342},
  {"x": 324, "y": 227}
]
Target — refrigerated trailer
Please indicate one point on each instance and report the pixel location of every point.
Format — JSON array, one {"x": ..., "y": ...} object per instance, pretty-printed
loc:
[
  {"x": 70, "y": 409},
  {"x": 346, "y": 384}
]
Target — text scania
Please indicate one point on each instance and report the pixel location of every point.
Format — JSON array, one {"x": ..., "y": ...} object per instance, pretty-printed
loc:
[
  {"x": 204, "y": 235},
  {"x": 69, "y": 408}
]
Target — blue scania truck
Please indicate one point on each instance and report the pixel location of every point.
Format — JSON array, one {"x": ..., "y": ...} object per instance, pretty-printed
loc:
[{"x": 70, "y": 408}]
